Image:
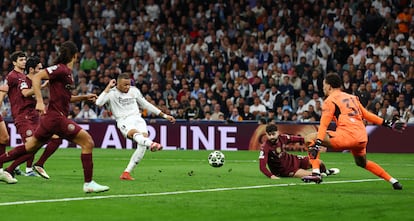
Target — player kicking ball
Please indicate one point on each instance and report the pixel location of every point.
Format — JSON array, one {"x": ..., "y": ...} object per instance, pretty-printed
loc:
[
  {"x": 281, "y": 163},
  {"x": 125, "y": 102}
]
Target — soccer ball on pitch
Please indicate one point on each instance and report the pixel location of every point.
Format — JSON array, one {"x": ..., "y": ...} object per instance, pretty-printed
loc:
[{"x": 216, "y": 159}]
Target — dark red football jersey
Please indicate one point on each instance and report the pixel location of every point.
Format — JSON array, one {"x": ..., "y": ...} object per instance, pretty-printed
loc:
[
  {"x": 21, "y": 107},
  {"x": 60, "y": 86},
  {"x": 274, "y": 160}
]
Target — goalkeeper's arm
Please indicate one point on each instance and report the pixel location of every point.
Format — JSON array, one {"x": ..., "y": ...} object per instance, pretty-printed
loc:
[{"x": 394, "y": 124}]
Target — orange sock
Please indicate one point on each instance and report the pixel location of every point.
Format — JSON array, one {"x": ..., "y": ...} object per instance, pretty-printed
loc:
[
  {"x": 377, "y": 170},
  {"x": 315, "y": 165}
]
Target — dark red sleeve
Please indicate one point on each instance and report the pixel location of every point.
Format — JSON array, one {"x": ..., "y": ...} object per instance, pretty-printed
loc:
[
  {"x": 263, "y": 161},
  {"x": 286, "y": 139}
]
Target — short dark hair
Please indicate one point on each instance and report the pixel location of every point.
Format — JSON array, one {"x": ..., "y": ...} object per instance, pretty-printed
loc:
[
  {"x": 271, "y": 128},
  {"x": 124, "y": 75},
  {"x": 32, "y": 62},
  {"x": 334, "y": 80},
  {"x": 17, "y": 54}
]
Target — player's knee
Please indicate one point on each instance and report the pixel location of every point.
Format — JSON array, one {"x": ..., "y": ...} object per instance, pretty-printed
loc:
[
  {"x": 90, "y": 142},
  {"x": 87, "y": 143},
  {"x": 360, "y": 163}
]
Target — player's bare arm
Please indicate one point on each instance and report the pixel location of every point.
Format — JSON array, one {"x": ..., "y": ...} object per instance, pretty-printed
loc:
[
  {"x": 37, "y": 86},
  {"x": 88, "y": 97},
  {"x": 4, "y": 88},
  {"x": 2, "y": 96},
  {"x": 273, "y": 177},
  {"x": 167, "y": 117},
  {"x": 30, "y": 92}
]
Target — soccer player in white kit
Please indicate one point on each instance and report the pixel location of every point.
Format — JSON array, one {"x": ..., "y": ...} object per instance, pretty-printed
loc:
[{"x": 124, "y": 101}]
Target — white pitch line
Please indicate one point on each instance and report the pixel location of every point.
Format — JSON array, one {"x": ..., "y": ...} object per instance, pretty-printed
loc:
[{"x": 178, "y": 192}]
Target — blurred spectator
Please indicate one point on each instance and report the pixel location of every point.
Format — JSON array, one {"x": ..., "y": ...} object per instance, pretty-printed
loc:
[
  {"x": 86, "y": 113},
  {"x": 235, "y": 116},
  {"x": 257, "y": 109},
  {"x": 216, "y": 112},
  {"x": 363, "y": 95},
  {"x": 88, "y": 62},
  {"x": 246, "y": 113},
  {"x": 193, "y": 112}
]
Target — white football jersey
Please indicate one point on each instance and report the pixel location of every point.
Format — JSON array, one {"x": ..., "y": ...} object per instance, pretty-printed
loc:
[{"x": 125, "y": 104}]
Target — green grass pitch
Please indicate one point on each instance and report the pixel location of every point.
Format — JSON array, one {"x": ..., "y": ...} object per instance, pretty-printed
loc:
[{"x": 180, "y": 185}]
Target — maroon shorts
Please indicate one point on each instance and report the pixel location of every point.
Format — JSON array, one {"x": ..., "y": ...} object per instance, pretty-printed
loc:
[
  {"x": 54, "y": 123},
  {"x": 294, "y": 163},
  {"x": 26, "y": 128}
]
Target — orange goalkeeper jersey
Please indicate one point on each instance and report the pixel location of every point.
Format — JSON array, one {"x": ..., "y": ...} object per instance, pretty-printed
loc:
[{"x": 348, "y": 114}]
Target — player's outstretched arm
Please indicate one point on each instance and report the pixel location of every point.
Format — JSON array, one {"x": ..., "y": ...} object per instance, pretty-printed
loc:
[
  {"x": 88, "y": 97},
  {"x": 395, "y": 124},
  {"x": 167, "y": 117}
]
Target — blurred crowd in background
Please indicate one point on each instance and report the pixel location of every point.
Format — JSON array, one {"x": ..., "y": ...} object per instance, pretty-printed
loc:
[{"x": 257, "y": 60}]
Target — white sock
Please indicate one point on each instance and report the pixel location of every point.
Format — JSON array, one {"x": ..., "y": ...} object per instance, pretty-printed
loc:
[
  {"x": 29, "y": 169},
  {"x": 393, "y": 180},
  {"x": 136, "y": 157},
  {"x": 1, "y": 170},
  {"x": 318, "y": 171},
  {"x": 141, "y": 140}
]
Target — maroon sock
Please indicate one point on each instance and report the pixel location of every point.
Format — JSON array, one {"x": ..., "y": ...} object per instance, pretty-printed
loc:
[
  {"x": 29, "y": 162},
  {"x": 87, "y": 165},
  {"x": 2, "y": 151},
  {"x": 322, "y": 168},
  {"x": 19, "y": 161},
  {"x": 13, "y": 154},
  {"x": 51, "y": 147}
]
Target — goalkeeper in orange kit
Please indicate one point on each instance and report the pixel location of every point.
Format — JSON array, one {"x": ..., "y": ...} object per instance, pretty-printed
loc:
[{"x": 350, "y": 134}]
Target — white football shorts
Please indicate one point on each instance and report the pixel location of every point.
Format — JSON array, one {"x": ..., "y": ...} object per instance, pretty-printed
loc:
[{"x": 132, "y": 122}]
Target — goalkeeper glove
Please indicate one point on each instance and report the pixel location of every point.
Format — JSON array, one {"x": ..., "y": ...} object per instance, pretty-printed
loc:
[
  {"x": 313, "y": 150},
  {"x": 395, "y": 124}
]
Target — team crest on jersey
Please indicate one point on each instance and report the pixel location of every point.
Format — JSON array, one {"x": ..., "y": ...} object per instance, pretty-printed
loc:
[
  {"x": 278, "y": 150},
  {"x": 29, "y": 133},
  {"x": 71, "y": 127},
  {"x": 23, "y": 85}
]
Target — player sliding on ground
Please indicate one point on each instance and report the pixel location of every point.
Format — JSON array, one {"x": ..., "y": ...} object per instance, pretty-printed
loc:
[
  {"x": 350, "y": 133},
  {"x": 281, "y": 163},
  {"x": 124, "y": 102}
]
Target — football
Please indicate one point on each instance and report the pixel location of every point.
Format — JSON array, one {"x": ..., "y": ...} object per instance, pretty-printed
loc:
[{"x": 216, "y": 159}]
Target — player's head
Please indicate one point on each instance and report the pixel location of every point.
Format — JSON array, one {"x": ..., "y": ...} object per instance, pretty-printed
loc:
[
  {"x": 68, "y": 52},
  {"x": 19, "y": 60},
  {"x": 332, "y": 81},
  {"x": 123, "y": 82},
  {"x": 33, "y": 65},
  {"x": 272, "y": 133}
]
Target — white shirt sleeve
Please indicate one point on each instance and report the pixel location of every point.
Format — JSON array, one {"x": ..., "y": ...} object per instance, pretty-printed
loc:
[{"x": 102, "y": 99}]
